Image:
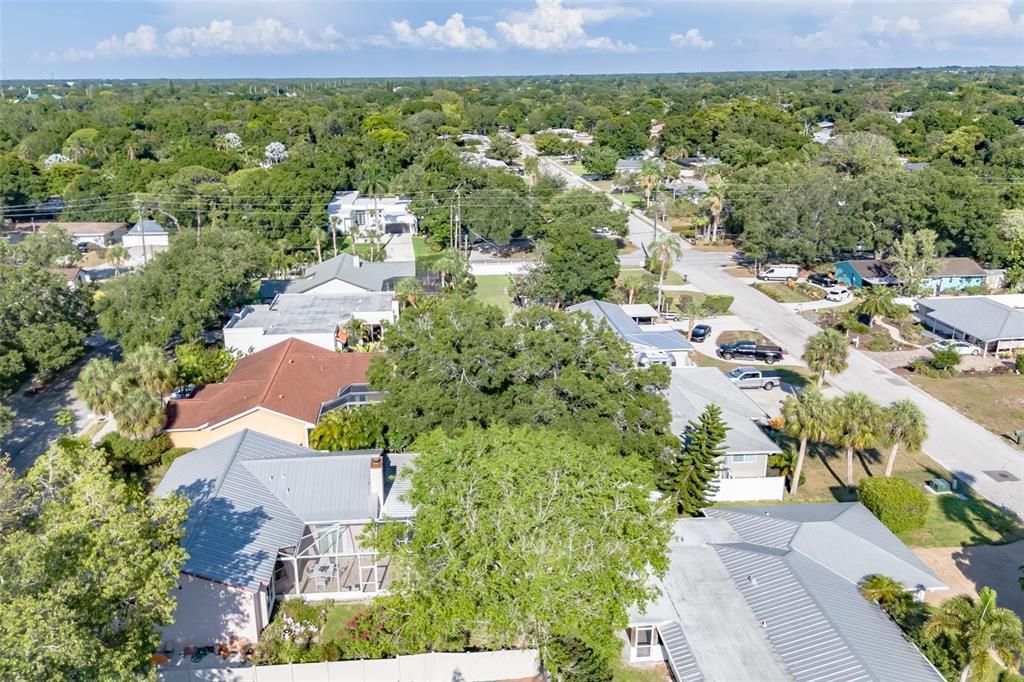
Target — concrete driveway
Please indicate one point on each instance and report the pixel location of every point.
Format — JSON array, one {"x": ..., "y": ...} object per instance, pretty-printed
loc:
[
  {"x": 399, "y": 248},
  {"x": 967, "y": 569}
]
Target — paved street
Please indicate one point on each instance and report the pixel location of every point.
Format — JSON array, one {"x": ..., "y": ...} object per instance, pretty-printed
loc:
[
  {"x": 34, "y": 426},
  {"x": 967, "y": 449}
]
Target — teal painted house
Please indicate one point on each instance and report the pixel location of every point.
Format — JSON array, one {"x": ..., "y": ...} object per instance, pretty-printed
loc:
[{"x": 954, "y": 274}]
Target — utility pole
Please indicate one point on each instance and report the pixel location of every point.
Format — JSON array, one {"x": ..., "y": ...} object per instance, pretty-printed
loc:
[{"x": 458, "y": 217}]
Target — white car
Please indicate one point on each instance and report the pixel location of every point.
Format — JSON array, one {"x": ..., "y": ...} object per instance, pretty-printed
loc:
[
  {"x": 838, "y": 294},
  {"x": 961, "y": 347}
]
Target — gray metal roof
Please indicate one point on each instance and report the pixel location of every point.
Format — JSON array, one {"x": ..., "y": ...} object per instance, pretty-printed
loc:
[
  {"x": 304, "y": 314},
  {"x": 252, "y": 495},
  {"x": 623, "y": 325},
  {"x": 355, "y": 271},
  {"x": 397, "y": 483},
  {"x": 692, "y": 389},
  {"x": 149, "y": 226},
  {"x": 798, "y": 566},
  {"x": 977, "y": 316}
]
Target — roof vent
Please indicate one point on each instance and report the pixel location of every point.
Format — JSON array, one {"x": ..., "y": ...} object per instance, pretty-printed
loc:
[
  {"x": 752, "y": 580},
  {"x": 764, "y": 624},
  {"x": 291, "y": 361}
]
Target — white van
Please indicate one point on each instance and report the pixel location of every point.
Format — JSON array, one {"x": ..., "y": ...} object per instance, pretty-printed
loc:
[{"x": 779, "y": 272}]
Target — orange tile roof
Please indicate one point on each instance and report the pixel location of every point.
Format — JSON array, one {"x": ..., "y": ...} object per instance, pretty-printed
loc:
[{"x": 293, "y": 378}]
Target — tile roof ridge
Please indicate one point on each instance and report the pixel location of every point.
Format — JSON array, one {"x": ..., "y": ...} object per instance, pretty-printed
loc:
[{"x": 273, "y": 377}]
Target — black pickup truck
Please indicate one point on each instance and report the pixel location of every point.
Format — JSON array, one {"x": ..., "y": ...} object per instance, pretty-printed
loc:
[{"x": 749, "y": 350}]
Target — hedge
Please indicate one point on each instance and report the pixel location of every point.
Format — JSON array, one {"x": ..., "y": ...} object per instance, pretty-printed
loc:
[
  {"x": 718, "y": 304},
  {"x": 897, "y": 502}
]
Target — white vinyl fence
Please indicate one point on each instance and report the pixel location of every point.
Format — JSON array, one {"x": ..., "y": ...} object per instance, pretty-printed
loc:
[
  {"x": 749, "y": 489},
  {"x": 517, "y": 267},
  {"x": 489, "y": 666}
]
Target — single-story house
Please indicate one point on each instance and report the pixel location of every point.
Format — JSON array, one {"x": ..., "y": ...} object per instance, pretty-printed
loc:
[
  {"x": 991, "y": 325},
  {"x": 146, "y": 238},
  {"x": 281, "y": 391},
  {"x": 634, "y": 163},
  {"x": 319, "y": 320},
  {"x": 653, "y": 345},
  {"x": 953, "y": 274},
  {"x": 771, "y": 594},
  {"x": 74, "y": 276},
  {"x": 391, "y": 214},
  {"x": 743, "y": 473},
  {"x": 97, "y": 234},
  {"x": 271, "y": 520},
  {"x": 342, "y": 274}
]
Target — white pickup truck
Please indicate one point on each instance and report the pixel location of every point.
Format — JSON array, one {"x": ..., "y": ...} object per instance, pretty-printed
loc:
[{"x": 751, "y": 377}]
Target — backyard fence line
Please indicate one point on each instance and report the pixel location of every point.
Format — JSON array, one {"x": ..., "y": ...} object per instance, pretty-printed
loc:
[{"x": 484, "y": 666}]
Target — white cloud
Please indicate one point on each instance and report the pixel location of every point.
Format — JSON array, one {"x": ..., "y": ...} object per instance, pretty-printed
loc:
[
  {"x": 903, "y": 25},
  {"x": 984, "y": 19},
  {"x": 451, "y": 34},
  {"x": 549, "y": 26},
  {"x": 691, "y": 38},
  {"x": 260, "y": 36}
]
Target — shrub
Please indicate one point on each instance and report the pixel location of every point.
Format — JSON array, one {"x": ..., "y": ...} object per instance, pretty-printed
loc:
[
  {"x": 897, "y": 502},
  {"x": 718, "y": 304},
  {"x": 851, "y": 323},
  {"x": 880, "y": 343},
  {"x": 945, "y": 358},
  {"x": 127, "y": 453},
  {"x": 977, "y": 290},
  {"x": 167, "y": 459},
  {"x": 1018, "y": 363}
]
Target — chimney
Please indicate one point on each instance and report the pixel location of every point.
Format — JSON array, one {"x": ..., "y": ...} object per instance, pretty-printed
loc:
[
  {"x": 377, "y": 480},
  {"x": 355, "y": 261}
]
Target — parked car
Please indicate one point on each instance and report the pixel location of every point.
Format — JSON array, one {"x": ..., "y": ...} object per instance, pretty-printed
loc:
[
  {"x": 961, "y": 347},
  {"x": 183, "y": 392},
  {"x": 822, "y": 280},
  {"x": 779, "y": 272},
  {"x": 751, "y": 377},
  {"x": 749, "y": 350},
  {"x": 838, "y": 294},
  {"x": 700, "y": 333}
]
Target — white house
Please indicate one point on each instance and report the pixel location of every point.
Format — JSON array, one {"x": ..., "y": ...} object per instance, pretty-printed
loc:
[
  {"x": 390, "y": 214},
  {"x": 319, "y": 320},
  {"x": 743, "y": 471},
  {"x": 95, "y": 233},
  {"x": 771, "y": 594},
  {"x": 146, "y": 238},
  {"x": 271, "y": 520},
  {"x": 652, "y": 344},
  {"x": 343, "y": 274}
]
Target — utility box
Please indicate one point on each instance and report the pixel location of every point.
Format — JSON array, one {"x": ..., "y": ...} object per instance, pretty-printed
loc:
[
  {"x": 1020, "y": 436},
  {"x": 939, "y": 485}
]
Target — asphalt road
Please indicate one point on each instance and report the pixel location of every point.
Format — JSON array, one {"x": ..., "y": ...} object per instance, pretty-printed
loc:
[
  {"x": 34, "y": 426},
  {"x": 988, "y": 463}
]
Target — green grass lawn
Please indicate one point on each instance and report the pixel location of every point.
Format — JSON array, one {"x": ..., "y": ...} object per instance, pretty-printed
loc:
[
  {"x": 338, "y": 617},
  {"x": 421, "y": 248},
  {"x": 996, "y": 401},
  {"x": 493, "y": 290},
  {"x": 733, "y": 335},
  {"x": 671, "y": 277},
  {"x": 795, "y": 376},
  {"x": 780, "y": 292}
]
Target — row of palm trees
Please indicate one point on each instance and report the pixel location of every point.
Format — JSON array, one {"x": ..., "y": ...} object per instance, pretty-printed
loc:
[
  {"x": 713, "y": 202},
  {"x": 853, "y": 422}
]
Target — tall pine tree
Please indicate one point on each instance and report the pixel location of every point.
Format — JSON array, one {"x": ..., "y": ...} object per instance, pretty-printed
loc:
[{"x": 691, "y": 479}]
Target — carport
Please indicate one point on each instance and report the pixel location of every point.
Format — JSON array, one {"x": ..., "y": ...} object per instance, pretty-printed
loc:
[{"x": 990, "y": 325}]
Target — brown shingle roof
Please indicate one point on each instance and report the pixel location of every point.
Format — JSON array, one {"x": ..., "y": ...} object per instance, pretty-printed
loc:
[
  {"x": 80, "y": 228},
  {"x": 293, "y": 378}
]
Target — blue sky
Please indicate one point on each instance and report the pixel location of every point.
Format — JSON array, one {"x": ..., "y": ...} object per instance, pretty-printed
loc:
[{"x": 323, "y": 38}]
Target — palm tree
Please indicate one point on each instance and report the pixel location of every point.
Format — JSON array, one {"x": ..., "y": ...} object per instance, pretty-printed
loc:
[
  {"x": 632, "y": 284},
  {"x": 65, "y": 418},
  {"x": 856, "y": 422},
  {"x": 904, "y": 424},
  {"x": 648, "y": 177},
  {"x": 408, "y": 290},
  {"x": 151, "y": 369},
  {"x": 885, "y": 591},
  {"x": 826, "y": 352},
  {"x": 531, "y": 166},
  {"x": 976, "y": 628},
  {"x": 355, "y": 332},
  {"x": 317, "y": 235},
  {"x": 877, "y": 302},
  {"x": 807, "y": 416},
  {"x": 700, "y": 227},
  {"x": 97, "y": 385},
  {"x": 117, "y": 256},
  {"x": 334, "y": 220},
  {"x": 452, "y": 267},
  {"x": 354, "y": 428},
  {"x": 373, "y": 185},
  {"x": 139, "y": 414},
  {"x": 714, "y": 202},
  {"x": 664, "y": 251}
]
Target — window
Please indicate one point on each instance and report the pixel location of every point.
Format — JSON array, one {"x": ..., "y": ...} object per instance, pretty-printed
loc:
[
  {"x": 644, "y": 641},
  {"x": 742, "y": 459}
]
